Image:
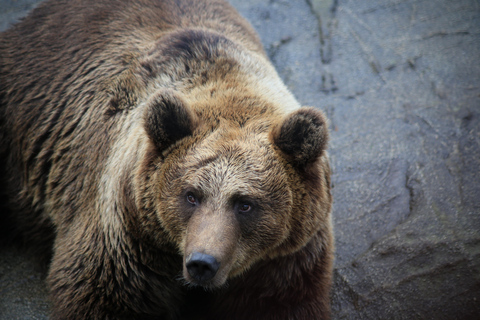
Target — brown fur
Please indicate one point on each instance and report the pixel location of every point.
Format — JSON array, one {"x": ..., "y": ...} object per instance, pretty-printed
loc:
[{"x": 112, "y": 112}]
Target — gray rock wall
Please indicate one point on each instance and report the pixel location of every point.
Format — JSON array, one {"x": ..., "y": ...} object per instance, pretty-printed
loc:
[{"x": 400, "y": 83}]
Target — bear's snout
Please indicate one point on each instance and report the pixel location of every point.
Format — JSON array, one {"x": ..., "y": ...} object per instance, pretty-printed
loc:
[{"x": 202, "y": 267}]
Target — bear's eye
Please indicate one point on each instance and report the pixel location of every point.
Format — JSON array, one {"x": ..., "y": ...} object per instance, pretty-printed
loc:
[
  {"x": 244, "y": 207},
  {"x": 191, "y": 198}
]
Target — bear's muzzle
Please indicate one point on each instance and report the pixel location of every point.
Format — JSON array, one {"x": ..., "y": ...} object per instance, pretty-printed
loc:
[{"x": 202, "y": 267}]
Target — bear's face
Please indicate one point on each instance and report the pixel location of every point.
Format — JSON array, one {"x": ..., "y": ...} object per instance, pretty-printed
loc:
[
  {"x": 224, "y": 193},
  {"x": 228, "y": 198}
]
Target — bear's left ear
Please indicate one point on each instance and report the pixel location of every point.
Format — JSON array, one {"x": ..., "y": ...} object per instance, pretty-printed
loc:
[
  {"x": 168, "y": 119},
  {"x": 302, "y": 136}
]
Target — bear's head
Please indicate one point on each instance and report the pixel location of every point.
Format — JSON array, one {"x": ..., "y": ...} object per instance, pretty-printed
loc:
[{"x": 230, "y": 193}]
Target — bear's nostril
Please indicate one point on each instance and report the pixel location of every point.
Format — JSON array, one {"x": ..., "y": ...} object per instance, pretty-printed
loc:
[{"x": 202, "y": 267}]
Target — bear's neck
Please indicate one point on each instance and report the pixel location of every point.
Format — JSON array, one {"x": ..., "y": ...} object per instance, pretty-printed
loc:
[{"x": 218, "y": 74}]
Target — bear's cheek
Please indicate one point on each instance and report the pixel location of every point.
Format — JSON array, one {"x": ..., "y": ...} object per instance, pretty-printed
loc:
[
  {"x": 260, "y": 239},
  {"x": 174, "y": 214}
]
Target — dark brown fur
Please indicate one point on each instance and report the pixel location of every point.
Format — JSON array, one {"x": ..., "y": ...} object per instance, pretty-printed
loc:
[{"x": 111, "y": 112}]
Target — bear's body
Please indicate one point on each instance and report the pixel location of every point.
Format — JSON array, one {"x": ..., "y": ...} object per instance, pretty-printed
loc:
[{"x": 154, "y": 143}]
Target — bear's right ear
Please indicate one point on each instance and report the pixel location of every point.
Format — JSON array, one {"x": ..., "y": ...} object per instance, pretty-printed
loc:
[
  {"x": 168, "y": 119},
  {"x": 302, "y": 136}
]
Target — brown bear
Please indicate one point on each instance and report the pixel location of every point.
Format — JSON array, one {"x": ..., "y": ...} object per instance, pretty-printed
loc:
[{"x": 153, "y": 142}]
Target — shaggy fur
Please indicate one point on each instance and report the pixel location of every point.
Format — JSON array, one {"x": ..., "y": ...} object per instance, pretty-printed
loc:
[{"x": 136, "y": 133}]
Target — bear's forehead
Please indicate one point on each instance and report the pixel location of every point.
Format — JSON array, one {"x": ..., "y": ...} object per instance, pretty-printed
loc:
[
  {"x": 240, "y": 163},
  {"x": 232, "y": 143},
  {"x": 231, "y": 158}
]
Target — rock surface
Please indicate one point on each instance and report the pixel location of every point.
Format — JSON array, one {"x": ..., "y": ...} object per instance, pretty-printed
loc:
[{"x": 400, "y": 83}]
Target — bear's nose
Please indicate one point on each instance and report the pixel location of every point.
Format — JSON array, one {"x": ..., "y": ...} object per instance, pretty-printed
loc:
[{"x": 202, "y": 267}]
